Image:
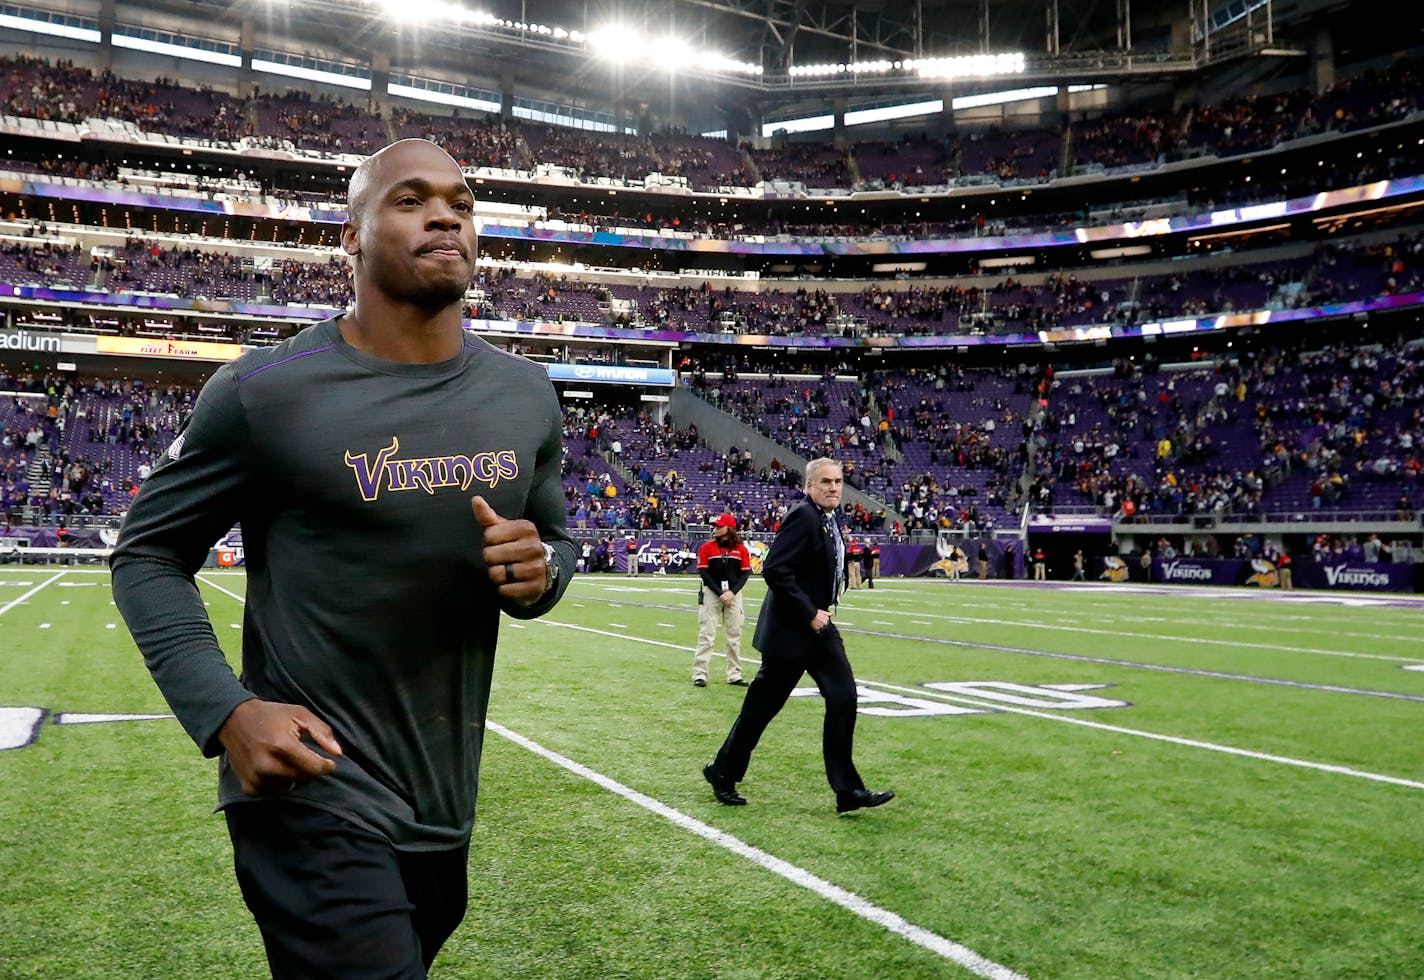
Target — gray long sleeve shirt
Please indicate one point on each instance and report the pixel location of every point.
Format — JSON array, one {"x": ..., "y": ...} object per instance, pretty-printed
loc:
[{"x": 367, "y": 597}]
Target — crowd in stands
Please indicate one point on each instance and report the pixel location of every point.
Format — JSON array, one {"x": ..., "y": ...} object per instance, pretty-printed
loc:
[
  {"x": 313, "y": 283},
  {"x": 146, "y": 265},
  {"x": 703, "y": 161},
  {"x": 812, "y": 164},
  {"x": 1337, "y": 271},
  {"x": 1333, "y": 429},
  {"x": 958, "y": 435},
  {"x": 61, "y": 91},
  {"x": 475, "y": 141},
  {"x": 73, "y": 450},
  {"x": 321, "y": 123},
  {"x": 667, "y": 479},
  {"x": 589, "y": 154},
  {"x": 43, "y": 262},
  {"x": 1336, "y": 429},
  {"x": 1254, "y": 122}
]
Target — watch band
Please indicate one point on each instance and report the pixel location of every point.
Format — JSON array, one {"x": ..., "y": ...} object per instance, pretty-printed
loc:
[{"x": 551, "y": 566}]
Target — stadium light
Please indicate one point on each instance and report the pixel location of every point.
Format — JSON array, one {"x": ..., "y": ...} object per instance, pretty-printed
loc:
[
  {"x": 965, "y": 66},
  {"x": 618, "y": 43},
  {"x": 615, "y": 42}
]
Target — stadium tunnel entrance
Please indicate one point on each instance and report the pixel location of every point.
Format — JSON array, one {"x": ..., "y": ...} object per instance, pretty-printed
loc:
[{"x": 1060, "y": 546}]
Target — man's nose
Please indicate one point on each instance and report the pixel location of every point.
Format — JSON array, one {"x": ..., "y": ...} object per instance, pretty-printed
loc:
[{"x": 443, "y": 216}]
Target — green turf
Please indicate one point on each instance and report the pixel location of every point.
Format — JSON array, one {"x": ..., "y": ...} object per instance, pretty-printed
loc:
[{"x": 1053, "y": 848}]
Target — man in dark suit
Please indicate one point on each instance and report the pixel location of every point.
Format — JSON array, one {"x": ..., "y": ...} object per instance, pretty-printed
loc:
[{"x": 804, "y": 576}]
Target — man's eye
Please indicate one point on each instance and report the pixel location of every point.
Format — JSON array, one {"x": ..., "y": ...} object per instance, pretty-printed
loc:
[
  {"x": 463, "y": 206},
  {"x": 408, "y": 200}
]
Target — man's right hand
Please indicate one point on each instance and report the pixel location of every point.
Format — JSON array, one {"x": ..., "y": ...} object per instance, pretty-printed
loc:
[
  {"x": 821, "y": 620},
  {"x": 264, "y": 746}
]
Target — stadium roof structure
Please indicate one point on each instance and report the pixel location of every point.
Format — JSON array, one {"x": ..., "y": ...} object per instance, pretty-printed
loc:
[{"x": 776, "y": 47}]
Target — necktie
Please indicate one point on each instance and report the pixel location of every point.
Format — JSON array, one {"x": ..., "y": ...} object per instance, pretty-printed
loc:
[{"x": 838, "y": 551}]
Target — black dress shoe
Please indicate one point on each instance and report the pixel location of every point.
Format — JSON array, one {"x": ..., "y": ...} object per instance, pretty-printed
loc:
[
  {"x": 698, "y": 682},
  {"x": 723, "y": 788},
  {"x": 739, "y": 682},
  {"x": 861, "y": 798}
]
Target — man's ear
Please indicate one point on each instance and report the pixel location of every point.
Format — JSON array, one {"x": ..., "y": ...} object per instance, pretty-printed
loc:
[{"x": 350, "y": 238}]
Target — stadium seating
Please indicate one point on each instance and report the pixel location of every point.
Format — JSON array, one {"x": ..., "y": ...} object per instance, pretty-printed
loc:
[{"x": 64, "y": 92}]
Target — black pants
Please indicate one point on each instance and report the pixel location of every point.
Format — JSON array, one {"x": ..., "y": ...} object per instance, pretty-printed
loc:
[
  {"x": 827, "y": 664},
  {"x": 335, "y": 901}
]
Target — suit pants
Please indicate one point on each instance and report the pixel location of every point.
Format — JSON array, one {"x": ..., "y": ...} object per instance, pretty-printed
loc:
[
  {"x": 825, "y": 660},
  {"x": 710, "y": 614}
]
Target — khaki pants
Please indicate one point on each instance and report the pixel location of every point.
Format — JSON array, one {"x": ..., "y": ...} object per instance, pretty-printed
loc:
[
  {"x": 710, "y": 613},
  {"x": 853, "y": 574},
  {"x": 1039, "y": 568}
]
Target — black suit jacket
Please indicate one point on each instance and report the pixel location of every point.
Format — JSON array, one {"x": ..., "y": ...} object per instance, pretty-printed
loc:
[{"x": 799, "y": 581}]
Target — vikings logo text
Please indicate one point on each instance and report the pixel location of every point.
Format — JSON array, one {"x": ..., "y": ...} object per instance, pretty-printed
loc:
[{"x": 431, "y": 473}]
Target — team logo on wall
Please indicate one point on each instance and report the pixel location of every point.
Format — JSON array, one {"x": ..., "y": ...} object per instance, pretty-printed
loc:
[
  {"x": 758, "y": 550},
  {"x": 1264, "y": 574},
  {"x": 1114, "y": 570},
  {"x": 955, "y": 561},
  {"x": 951, "y": 558}
]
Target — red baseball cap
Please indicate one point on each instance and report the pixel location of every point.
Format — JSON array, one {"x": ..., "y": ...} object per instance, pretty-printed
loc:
[{"x": 725, "y": 520}]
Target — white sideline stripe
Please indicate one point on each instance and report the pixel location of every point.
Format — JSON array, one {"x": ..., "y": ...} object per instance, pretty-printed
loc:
[
  {"x": 1009, "y": 709},
  {"x": 209, "y": 582},
  {"x": 1207, "y": 641},
  {"x": 1236, "y": 624},
  {"x": 15, "y": 602},
  {"x": 623, "y": 636},
  {"x": 947, "y": 948},
  {"x": 1039, "y": 624},
  {"x": 1058, "y": 627}
]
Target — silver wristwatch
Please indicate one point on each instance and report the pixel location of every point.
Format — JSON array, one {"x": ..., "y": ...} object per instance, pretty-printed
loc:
[{"x": 551, "y": 566}]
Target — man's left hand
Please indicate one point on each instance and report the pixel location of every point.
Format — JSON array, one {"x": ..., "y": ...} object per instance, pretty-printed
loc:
[
  {"x": 514, "y": 554},
  {"x": 728, "y": 598}
]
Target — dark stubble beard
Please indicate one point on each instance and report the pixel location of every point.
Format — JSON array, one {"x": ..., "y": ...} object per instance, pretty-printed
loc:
[{"x": 429, "y": 296}]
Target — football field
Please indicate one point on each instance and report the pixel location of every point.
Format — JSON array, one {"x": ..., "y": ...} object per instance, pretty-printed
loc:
[{"x": 1093, "y": 781}]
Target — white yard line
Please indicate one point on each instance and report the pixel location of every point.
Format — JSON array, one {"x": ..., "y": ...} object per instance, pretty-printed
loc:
[
  {"x": 1234, "y": 624},
  {"x": 947, "y": 948},
  {"x": 1164, "y": 638},
  {"x": 1155, "y": 736},
  {"x": 15, "y": 602},
  {"x": 208, "y": 582},
  {"x": 1118, "y": 729}
]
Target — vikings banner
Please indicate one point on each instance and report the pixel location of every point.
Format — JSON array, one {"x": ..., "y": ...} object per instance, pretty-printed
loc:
[
  {"x": 1373, "y": 577},
  {"x": 1264, "y": 574}
]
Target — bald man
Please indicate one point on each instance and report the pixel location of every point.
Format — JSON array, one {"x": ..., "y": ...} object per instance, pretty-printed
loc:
[{"x": 397, "y": 483}]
